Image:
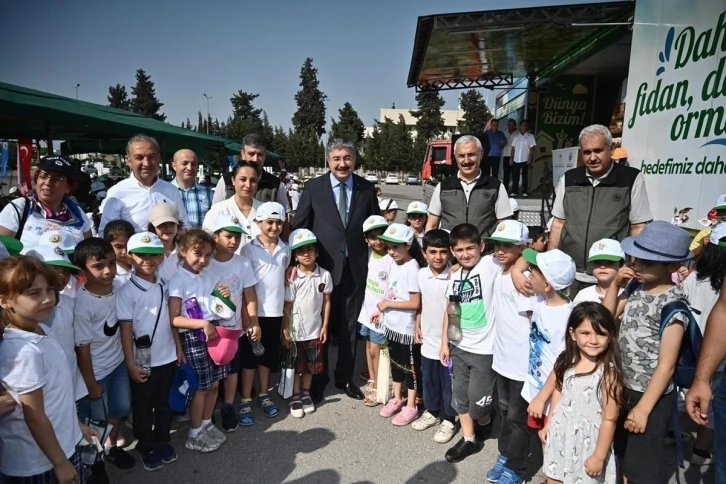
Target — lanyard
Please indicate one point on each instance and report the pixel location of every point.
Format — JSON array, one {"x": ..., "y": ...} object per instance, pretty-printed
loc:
[{"x": 463, "y": 279}]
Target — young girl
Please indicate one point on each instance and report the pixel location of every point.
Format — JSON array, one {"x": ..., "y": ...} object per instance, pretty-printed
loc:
[
  {"x": 40, "y": 436},
  {"x": 416, "y": 217},
  {"x": 605, "y": 258},
  {"x": 389, "y": 209},
  {"x": 118, "y": 233},
  {"x": 578, "y": 437},
  {"x": 398, "y": 315},
  {"x": 164, "y": 222},
  {"x": 191, "y": 281}
]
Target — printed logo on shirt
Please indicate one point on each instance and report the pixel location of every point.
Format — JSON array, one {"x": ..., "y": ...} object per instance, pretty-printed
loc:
[
  {"x": 470, "y": 290},
  {"x": 285, "y": 261},
  {"x": 54, "y": 239},
  {"x": 109, "y": 330},
  {"x": 383, "y": 276},
  {"x": 321, "y": 287}
]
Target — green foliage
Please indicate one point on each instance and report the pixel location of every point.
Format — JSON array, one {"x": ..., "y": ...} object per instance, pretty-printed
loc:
[
  {"x": 390, "y": 148},
  {"x": 303, "y": 149},
  {"x": 280, "y": 140},
  {"x": 429, "y": 120},
  {"x": 349, "y": 125},
  {"x": 118, "y": 97},
  {"x": 144, "y": 100},
  {"x": 310, "y": 101},
  {"x": 476, "y": 113}
]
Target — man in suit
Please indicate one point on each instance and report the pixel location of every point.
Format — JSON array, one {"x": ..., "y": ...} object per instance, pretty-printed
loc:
[{"x": 334, "y": 206}]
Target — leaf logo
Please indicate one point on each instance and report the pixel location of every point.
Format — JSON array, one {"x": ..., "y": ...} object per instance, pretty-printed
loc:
[{"x": 664, "y": 56}]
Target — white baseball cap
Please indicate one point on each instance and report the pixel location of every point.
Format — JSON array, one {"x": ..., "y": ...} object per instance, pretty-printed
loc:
[
  {"x": 59, "y": 238},
  {"x": 270, "y": 211},
  {"x": 144, "y": 243},
  {"x": 417, "y": 208},
  {"x": 718, "y": 233},
  {"x": 556, "y": 266},
  {"x": 374, "y": 222},
  {"x": 513, "y": 203},
  {"x": 228, "y": 222},
  {"x": 52, "y": 255},
  {"x": 398, "y": 234},
  {"x": 387, "y": 204},
  {"x": 721, "y": 202},
  {"x": 510, "y": 232},
  {"x": 607, "y": 250},
  {"x": 301, "y": 238}
]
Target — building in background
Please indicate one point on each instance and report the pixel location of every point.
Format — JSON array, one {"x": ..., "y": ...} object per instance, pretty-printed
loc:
[{"x": 451, "y": 120}]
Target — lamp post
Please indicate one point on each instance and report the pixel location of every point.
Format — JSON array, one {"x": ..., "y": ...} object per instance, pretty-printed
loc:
[
  {"x": 77, "y": 86},
  {"x": 208, "y": 123}
]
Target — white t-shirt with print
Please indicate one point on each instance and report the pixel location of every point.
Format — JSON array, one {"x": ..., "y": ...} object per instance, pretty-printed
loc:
[
  {"x": 139, "y": 302},
  {"x": 546, "y": 341},
  {"x": 28, "y": 362},
  {"x": 477, "y": 315},
  {"x": 36, "y": 225},
  {"x": 511, "y": 330},
  {"x": 307, "y": 293},
  {"x": 95, "y": 319},
  {"x": 270, "y": 270},
  {"x": 186, "y": 285},
  {"x": 237, "y": 275},
  {"x": 379, "y": 268},
  {"x": 433, "y": 308},
  {"x": 402, "y": 281},
  {"x": 60, "y": 328}
]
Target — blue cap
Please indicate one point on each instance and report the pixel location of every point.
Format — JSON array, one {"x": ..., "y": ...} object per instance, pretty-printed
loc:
[{"x": 182, "y": 388}]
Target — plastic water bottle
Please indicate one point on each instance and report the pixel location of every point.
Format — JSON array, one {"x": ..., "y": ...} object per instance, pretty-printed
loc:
[
  {"x": 143, "y": 353},
  {"x": 453, "y": 311},
  {"x": 257, "y": 347},
  {"x": 194, "y": 311}
]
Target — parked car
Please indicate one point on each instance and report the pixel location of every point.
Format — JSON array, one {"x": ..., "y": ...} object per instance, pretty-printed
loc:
[
  {"x": 412, "y": 180},
  {"x": 90, "y": 169},
  {"x": 116, "y": 171},
  {"x": 372, "y": 177},
  {"x": 391, "y": 179}
]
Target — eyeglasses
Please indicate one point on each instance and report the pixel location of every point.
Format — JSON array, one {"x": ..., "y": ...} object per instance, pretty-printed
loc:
[{"x": 52, "y": 178}]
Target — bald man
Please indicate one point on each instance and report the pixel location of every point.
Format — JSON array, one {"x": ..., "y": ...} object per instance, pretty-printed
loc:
[{"x": 197, "y": 198}]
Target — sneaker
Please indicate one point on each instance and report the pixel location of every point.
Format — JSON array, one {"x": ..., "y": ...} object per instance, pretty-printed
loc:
[
  {"x": 364, "y": 375},
  {"x": 445, "y": 433},
  {"x": 671, "y": 438},
  {"x": 496, "y": 472},
  {"x": 167, "y": 453},
  {"x": 203, "y": 442},
  {"x": 391, "y": 408},
  {"x": 268, "y": 406},
  {"x": 509, "y": 477},
  {"x": 215, "y": 433},
  {"x": 308, "y": 405},
  {"x": 425, "y": 421},
  {"x": 245, "y": 416},
  {"x": 296, "y": 409},
  {"x": 151, "y": 460},
  {"x": 405, "y": 416},
  {"x": 229, "y": 418},
  {"x": 701, "y": 460},
  {"x": 119, "y": 457},
  {"x": 462, "y": 449}
]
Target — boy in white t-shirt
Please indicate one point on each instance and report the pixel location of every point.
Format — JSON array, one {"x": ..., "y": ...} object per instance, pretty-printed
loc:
[
  {"x": 98, "y": 346},
  {"x": 307, "y": 314},
  {"x": 118, "y": 233},
  {"x": 511, "y": 347},
  {"x": 605, "y": 258},
  {"x": 472, "y": 285},
  {"x": 270, "y": 257},
  {"x": 432, "y": 281},
  {"x": 143, "y": 313}
]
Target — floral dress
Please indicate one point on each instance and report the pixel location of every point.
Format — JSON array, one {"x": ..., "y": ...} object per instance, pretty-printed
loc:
[{"x": 573, "y": 432}]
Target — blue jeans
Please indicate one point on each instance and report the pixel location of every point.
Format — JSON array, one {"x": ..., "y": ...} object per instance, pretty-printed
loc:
[
  {"x": 436, "y": 387},
  {"x": 719, "y": 444},
  {"x": 116, "y": 399},
  {"x": 374, "y": 336}
]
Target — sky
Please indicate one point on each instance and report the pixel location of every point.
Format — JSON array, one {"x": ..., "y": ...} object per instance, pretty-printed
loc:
[{"x": 362, "y": 50}]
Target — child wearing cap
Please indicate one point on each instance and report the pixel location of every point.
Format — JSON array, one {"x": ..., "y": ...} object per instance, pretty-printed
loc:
[
  {"x": 270, "y": 257},
  {"x": 143, "y": 313},
  {"x": 510, "y": 350},
  {"x": 118, "y": 233},
  {"x": 397, "y": 313},
  {"x": 389, "y": 209},
  {"x": 471, "y": 357},
  {"x": 605, "y": 258},
  {"x": 379, "y": 266},
  {"x": 164, "y": 221},
  {"x": 650, "y": 355},
  {"x": 416, "y": 217},
  {"x": 551, "y": 272},
  {"x": 236, "y": 274},
  {"x": 702, "y": 237},
  {"x": 307, "y": 314}
]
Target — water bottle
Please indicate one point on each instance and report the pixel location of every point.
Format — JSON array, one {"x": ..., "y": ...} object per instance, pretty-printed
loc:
[
  {"x": 257, "y": 347},
  {"x": 143, "y": 353},
  {"x": 453, "y": 311},
  {"x": 194, "y": 311}
]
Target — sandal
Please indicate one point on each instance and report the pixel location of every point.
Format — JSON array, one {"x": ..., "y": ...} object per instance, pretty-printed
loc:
[
  {"x": 368, "y": 387},
  {"x": 371, "y": 399}
]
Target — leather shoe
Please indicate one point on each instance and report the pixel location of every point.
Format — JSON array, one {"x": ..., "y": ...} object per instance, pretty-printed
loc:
[
  {"x": 351, "y": 390},
  {"x": 461, "y": 450}
]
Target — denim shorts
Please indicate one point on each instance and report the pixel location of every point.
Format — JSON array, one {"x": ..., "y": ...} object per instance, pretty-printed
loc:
[
  {"x": 116, "y": 399},
  {"x": 374, "y": 336}
]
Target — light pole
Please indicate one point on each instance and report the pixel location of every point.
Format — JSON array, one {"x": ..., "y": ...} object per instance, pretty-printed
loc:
[
  {"x": 208, "y": 123},
  {"x": 77, "y": 86}
]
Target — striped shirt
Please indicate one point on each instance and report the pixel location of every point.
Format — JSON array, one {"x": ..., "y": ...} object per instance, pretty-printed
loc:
[{"x": 197, "y": 201}]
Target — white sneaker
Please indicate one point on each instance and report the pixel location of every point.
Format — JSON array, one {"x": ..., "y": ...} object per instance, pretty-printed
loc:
[
  {"x": 215, "y": 433},
  {"x": 445, "y": 433},
  {"x": 425, "y": 421},
  {"x": 203, "y": 442}
]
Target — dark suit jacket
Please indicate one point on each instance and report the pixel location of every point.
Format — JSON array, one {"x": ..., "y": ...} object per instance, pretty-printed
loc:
[{"x": 318, "y": 212}]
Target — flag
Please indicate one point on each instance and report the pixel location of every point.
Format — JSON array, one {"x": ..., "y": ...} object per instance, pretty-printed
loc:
[
  {"x": 25, "y": 157},
  {"x": 4, "y": 156}
]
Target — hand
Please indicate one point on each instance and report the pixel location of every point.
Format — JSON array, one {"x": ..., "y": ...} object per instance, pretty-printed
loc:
[
  {"x": 511, "y": 161},
  {"x": 453, "y": 269},
  {"x": 65, "y": 473},
  {"x": 594, "y": 465},
  {"x": 95, "y": 391},
  {"x": 180, "y": 358},
  {"x": 444, "y": 356},
  {"x": 323, "y": 335},
  {"x": 536, "y": 408},
  {"x": 89, "y": 433},
  {"x": 286, "y": 338},
  {"x": 624, "y": 276},
  {"x": 383, "y": 305},
  {"x": 210, "y": 331},
  {"x": 698, "y": 401},
  {"x": 256, "y": 333},
  {"x": 529, "y": 162},
  {"x": 7, "y": 403},
  {"x": 290, "y": 275},
  {"x": 376, "y": 318},
  {"x": 683, "y": 273},
  {"x": 224, "y": 291},
  {"x": 521, "y": 283},
  {"x": 637, "y": 421},
  {"x": 543, "y": 434},
  {"x": 138, "y": 374},
  {"x": 418, "y": 335}
]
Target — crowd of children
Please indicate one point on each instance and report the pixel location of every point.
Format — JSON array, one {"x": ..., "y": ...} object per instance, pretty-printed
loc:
[{"x": 119, "y": 321}]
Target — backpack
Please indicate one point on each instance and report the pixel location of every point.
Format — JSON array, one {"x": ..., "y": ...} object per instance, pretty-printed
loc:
[{"x": 690, "y": 345}]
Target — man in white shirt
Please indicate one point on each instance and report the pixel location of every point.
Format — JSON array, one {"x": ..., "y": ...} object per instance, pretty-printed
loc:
[
  {"x": 510, "y": 132},
  {"x": 132, "y": 198},
  {"x": 523, "y": 144}
]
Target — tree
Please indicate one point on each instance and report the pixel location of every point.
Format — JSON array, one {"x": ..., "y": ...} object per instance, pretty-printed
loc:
[
  {"x": 242, "y": 107},
  {"x": 349, "y": 125},
  {"x": 267, "y": 132},
  {"x": 429, "y": 120},
  {"x": 310, "y": 101},
  {"x": 476, "y": 113},
  {"x": 303, "y": 149},
  {"x": 118, "y": 97},
  {"x": 144, "y": 101},
  {"x": 280, "y": 141},
  {"x": 245, "y": 117}
]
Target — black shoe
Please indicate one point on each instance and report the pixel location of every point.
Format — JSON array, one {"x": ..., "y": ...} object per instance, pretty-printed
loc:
[
  {"x": 483, "y": 432},
  {"x": 462, "y": 449},
  {"x": 119, "y": 457},
  {"x": 229, "y": 418},
  {"x": 351, "y": 390}
]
